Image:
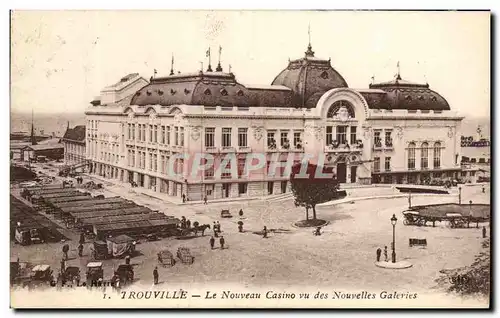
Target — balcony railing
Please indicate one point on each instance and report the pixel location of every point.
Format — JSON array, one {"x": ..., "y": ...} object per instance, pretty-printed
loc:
[
  {"x": 211, "y": 149},
  {"x": 244, "y": 149},
  {"x": 228, "y": 149},
  {"x": 345, "y": 147}
]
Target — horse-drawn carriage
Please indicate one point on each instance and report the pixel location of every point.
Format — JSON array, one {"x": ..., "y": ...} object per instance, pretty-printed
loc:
[{"x": 455, "y": 220}]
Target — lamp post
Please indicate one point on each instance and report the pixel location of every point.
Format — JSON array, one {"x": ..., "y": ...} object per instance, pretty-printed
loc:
[
  {"x": 393, "y": 222},
  {"x": 459, "y": 195},
  {"x": 409, "y": 199}
]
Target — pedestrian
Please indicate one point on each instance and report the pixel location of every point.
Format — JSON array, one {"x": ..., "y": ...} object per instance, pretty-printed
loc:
[
  {"x": 379, "y": 253},
  {"x": 216, "y": 234},
  {"x": 127, "y": 260},
  {"x": 183, "y": 198},
  {"x": 80, "y": 250},
  {"x": 241, "y": 212},
  {"x": 155, "y": 275},
  {"x": 82, "y": 238},
  {"x": 212, "y": 242},
  {"x": 483, "y": 188},
  {"x": 484, "y": 232},
  {"x": 63, "y": 266},
  {"x": 188, "y": 224},
  {"x": 222, "y": 241},
  {"x": 385, "y": 254},
  {"x": 240, "y": 227},
  {"x": 205, "y": 200},
  {"x": 264, "y": 234},
  {"x": 218, "y": 227}
]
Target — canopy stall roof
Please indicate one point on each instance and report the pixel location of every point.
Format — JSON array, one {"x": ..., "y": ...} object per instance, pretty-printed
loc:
[
  {"x": 137, "y": 224},
  {"x": 44, "y": 187},
  {"x": 75, "y": 210},
  {"x": 93, "y": 202},
  {"x": 50, "y": 191},
  {"x": 60, "y": 195},
  {"x": 100, "y": 213},
  {"x": 123, "y": 218},
  {"x": 78, "y": 198}
]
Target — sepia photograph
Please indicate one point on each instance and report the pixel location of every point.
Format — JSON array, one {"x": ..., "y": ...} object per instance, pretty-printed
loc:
[{"x": 250, "y": 159}]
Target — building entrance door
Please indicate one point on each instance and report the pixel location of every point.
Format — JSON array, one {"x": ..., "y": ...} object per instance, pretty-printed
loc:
[
  {"x": 353, "y": 174},
  {"x": 341, "y": 172},
  {"x": 225, "y": 190}
]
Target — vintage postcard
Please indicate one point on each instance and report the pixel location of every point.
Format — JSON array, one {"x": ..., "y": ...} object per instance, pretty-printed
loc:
[{"x": 250, "y": 159}]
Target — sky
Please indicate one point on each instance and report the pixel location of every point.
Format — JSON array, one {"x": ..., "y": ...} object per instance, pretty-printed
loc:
[{"x": 60, "y": 60}]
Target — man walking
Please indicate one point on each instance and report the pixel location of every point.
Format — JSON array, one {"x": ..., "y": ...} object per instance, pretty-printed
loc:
[
  {"x": 80, "y": 250},
  {"x": 222, "y": 241},
  {"x": 155, "y": 275},
  {"x": 264, "y": 232},
  {"x": 212, "y": 242},
  {"x": 205, "y": 200},
  {"x": 385, "y": 254},
  {"x": 379, "y": 252},
  {"x": 484, "y": 232}
]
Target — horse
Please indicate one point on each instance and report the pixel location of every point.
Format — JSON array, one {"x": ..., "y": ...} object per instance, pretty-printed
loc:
[{"x": 201, "y": 228}]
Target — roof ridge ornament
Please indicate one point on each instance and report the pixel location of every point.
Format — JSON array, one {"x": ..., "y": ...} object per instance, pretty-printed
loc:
[
  {"x": 172, "y": 65},
  {"x": 219, "y": 67},
  {"x": 309, "y": 52}
]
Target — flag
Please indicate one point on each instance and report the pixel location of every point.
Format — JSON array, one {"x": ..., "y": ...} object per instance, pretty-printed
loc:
[
  {"x": 220, "y": 49},
  {"x": 155, "y": 71},
  {"x": 398, "y": 63},
  {"x": 208, "y": 52}
]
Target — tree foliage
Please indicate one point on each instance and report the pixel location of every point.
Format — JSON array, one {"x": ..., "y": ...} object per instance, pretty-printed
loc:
[
  {"x": 470, "y": 280},
  {"x": 312, "y": 188}
]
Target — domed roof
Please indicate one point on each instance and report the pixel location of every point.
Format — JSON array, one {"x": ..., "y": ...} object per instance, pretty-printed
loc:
[
  {"x": 401, "y": 94},
  {"x": 209, "y": 89},
  {"x": 309, "y": 77}
]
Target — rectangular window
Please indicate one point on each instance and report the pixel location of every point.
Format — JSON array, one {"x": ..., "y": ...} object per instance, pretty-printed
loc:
[
  {"x": 242, "y": 188},
  {"x": 162, "y": 135},
  {"x": 176, "y": 136},
  {"x": 226, "y": 137},
  {"x": 209, "y": 172},
  {"x": 155, "y": 133},
  {"x": 241, "y": 167},
  {"x": 376, "y": 164},
  {"x": 377, "y": 139},
  {"x": 162, "y": 163},
  {"x": 150, "y": 133},
  {"x": 297, "y": 140},
  {"x": 285, "y": 143},
  {"x": 353, "y": 135},
  {"x": 388, "y": 138},
  {"x": 133, "y": 131},
  {"x": 411, "y": 159},
  {"x": 271, "y": 142},
  {"x": 437, "y": 157},
  {"x": 329, "y": 135},
  {"x": 341, "y": 134},
  {"x": 387, "y": 163},
  {"x": 129, "y": 134},
  {"x": 168, "y": 135},
  {"x": 182, "y": 137},
  {"x": 209, "y": 137},
  {"x": 242, "y": 137},
  {"x": 139, "y": 132},
  {"x": 155, "y": 163}
]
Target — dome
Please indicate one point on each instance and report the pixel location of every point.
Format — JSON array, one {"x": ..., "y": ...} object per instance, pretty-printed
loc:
[
  {"x": 402, "y": 94},
  {"x": 308, "y": 78}
]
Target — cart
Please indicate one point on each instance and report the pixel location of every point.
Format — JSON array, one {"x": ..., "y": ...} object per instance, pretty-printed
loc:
[
  {"x": 184, "y": 254},
  {"x": 225, "y": 214},
  {"x": 100, "y": 250},
  {"x": 94, "y": 274},
  {"x": 165, "y": 258},
  {"x": 71, "y": 275}
]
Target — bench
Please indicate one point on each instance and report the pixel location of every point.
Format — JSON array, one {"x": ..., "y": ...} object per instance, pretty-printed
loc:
[{"x": 418, "y": 242}]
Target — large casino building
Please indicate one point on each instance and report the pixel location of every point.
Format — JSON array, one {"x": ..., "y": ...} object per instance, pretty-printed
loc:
[{"x": 392, "y": 132}]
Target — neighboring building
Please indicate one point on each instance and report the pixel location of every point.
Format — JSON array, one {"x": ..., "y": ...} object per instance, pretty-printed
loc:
[
  {"x": 16, "y": 147},
  {"x": 48, "y": 151},
  {"x": 74, "y": 145},
  {"x": 393, "y": 132}
]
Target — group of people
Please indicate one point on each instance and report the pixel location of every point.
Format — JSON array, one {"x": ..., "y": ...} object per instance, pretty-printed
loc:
[
  {"x": 217, "y": 229},
  {"x": 185, "y": 224},
  {"x": 79, "y": 180},
  {"x": 379, "y": 254},
  {"x": 222, "y": 241}
]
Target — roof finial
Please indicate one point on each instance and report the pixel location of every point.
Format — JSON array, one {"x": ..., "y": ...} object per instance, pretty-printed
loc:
[
  {"x": 209, "y": 69},
  {"x": 229, "y": 68},
  {"x": 172, "y": 65},
  {"x": 309, "y": 51},
  {"x": 398, "y": 76},
  {"x": 201, "y": 65},
  {"x": 373, "y": 79},
  {"x": 219, "y": 67},
  {"x": 154, "y": 72}
]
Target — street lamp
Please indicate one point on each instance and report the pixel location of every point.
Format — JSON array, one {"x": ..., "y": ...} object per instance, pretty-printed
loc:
[
  {"x": 393, "y": 222},
  {"x": 409, "y": 200},
  {"x": 459, "y": 195}
]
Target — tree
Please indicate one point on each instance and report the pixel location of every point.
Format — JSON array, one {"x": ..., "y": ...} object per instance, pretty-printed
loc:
[
  {"x": 312, "y": 189},
  {"x": 470, "y": 280}
]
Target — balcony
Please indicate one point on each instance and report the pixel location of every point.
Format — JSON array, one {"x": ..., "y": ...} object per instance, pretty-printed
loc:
[
  {"x": 211, "y": 149},
  {"x": 227, "y": 149},
  {"x": 244, "y": 149},
  {"x": 336, "y": 147}
]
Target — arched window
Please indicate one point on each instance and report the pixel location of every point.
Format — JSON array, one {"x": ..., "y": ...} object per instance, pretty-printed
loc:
[
  {"x": 411, "y": 156},
  {"x": 437, "y": 155},
  {"x": 424, "y": 156},
  {"x": 339, "y": 108}
]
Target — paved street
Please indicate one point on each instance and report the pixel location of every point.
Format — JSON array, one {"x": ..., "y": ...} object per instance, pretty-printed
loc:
[{"x": 343, "y": 256}]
